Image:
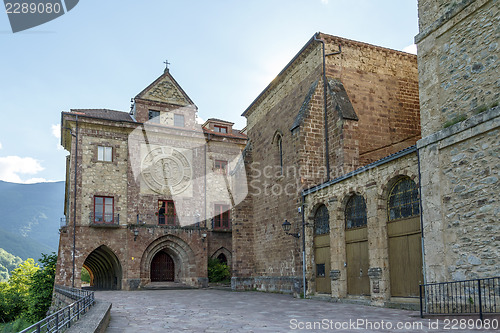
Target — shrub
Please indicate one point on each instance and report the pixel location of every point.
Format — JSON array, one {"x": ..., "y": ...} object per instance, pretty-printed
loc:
[
  {"x": 41, "y": 287},
  {"x": 217, "y": 271}
]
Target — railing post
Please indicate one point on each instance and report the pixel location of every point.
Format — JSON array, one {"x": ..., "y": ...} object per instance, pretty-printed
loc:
[
  {"x": 57, "y": 321},
  {"x": 480, "y": 301},
  {"x": 38, "y": 328},
  {"x": 421, "y": 307}
]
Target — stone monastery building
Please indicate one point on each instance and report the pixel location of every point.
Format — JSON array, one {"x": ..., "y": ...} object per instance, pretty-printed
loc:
[{"x": 360, "y": 174}]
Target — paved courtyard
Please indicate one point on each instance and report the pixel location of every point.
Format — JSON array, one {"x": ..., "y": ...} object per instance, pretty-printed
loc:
[{"x": 225, "y": 311}]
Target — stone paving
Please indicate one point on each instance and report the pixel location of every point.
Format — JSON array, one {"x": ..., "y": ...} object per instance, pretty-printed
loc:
[{"x": 225, "y": 311}]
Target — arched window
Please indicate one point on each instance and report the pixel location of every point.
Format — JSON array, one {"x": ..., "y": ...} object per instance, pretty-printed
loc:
[
  {"x": 279, "y": 143},
  {"x": 403, "y": 200},
  {"x": 321, "y": 221},
  {"x": 355, "y": 212}
]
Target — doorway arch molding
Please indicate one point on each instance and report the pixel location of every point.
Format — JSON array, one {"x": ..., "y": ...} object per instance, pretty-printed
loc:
[{"x": 181, "y": 253}]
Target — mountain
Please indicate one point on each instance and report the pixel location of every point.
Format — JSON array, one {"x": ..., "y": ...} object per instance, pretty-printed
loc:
[
  {"x": 8, "y": 262},
  {"x": 29, "y": 218}
]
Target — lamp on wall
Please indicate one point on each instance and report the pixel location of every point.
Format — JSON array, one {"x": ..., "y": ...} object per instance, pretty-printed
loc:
[
  {"x": 286, "y": 228},
  {"x": 136, "y": 233}
]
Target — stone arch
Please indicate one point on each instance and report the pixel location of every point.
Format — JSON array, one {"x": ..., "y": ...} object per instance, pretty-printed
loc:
[
  {"x": 181, "y": 253},
  {"x": 105, "y": 269},
  {"x": 225, "y": 252}
]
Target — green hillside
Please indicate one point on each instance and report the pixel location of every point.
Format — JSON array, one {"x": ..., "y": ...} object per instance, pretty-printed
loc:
[
  {"x": 29, "y": 218},
  {"x": 7, "y": 263}
]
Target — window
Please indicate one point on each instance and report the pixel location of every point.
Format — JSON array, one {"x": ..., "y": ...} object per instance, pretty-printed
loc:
[
  {"x": 321, "y": 221},
  {"x": 179, "y": 120},
  {"x": 221, "y": 167},
  {"x": 355, "y": 212},
  {"x": 104, "y": 154},
  {"x": 280, "y": 153},
  {"x": 103, "y": 209},
  {"x": 221, "y": 220},
  {"x": 154, "y": 116},
  {"x": 320, "y": 270},
  {"x": 403, "y": 200},
  {"x": 220, "y": 129},
  {"x": 166, "y": 212}
]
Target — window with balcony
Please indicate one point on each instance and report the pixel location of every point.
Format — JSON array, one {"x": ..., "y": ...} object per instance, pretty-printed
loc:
[
  {"x": 221, "y": 218},
  {"x": 104, "y": 154},
  {"x": 166, "y": 212},
  {"x": 103, "y": 210}
]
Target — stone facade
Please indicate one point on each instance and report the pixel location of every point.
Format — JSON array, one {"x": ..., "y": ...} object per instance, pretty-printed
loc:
[
  {"x": 372, "y": 111},
  {"x": 459, "y": 93},
  {"x": 131, "y": 170}
]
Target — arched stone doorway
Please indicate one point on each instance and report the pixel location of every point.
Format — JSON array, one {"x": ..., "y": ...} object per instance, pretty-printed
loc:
[
  {"x": 405, "y": 247},
  {"x": 104, "y": 268},
  {"x": 162, "y": 267},
  {"x": 175, "y": 255},
  {"x": 223, "y": 255},
  {"x": 322, "y": 250},
  {"x": 356, "y": 246}
]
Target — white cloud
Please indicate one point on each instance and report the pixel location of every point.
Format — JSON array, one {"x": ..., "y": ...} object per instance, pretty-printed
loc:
[
  {"x": 411, "y": 49},
  {"x": 0, "y": 145},
  {"x": 56, "y": 130},
  {"x": 12, "y": 166},
  {"x": 324, "y": 2}
]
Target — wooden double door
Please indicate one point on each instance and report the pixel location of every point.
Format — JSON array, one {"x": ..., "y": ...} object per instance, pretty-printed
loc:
[
  {"x": 405, "y": 257},
  {"x": 162, "y": 267},
  {"x": 322, "y": 260},
  {"x": 358, "y": 281}
]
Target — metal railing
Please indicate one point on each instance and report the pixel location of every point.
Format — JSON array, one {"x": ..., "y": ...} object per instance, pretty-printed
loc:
[
  {"x": 63, "y": 318},
  {"x": 99, "y": 219},
  {"x": 478, "y": 296}
]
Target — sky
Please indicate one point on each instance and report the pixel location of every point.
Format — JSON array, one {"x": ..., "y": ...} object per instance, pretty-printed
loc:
[{"x": 223, "y": 54}]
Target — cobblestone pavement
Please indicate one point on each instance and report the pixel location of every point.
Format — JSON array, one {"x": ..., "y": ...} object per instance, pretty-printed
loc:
[{"x": 226, "y": 311}]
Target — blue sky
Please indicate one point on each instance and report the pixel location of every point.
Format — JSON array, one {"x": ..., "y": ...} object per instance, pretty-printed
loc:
[{"x": 223, "y": 54}]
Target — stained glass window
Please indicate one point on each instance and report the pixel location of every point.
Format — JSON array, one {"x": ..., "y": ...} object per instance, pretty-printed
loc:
[
  {"x": 321, "y": 221},
  {"x": 355, "y": 212},
  {"x": 403, "y": 200}
]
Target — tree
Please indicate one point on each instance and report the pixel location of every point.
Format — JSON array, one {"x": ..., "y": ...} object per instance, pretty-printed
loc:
[{"x": 41, "y": 287}]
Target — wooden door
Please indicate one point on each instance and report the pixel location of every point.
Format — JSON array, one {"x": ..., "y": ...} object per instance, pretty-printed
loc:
[
  {"x": 358, "y": 281},
  {"x": 322, "y": 261},
  {"x": 405, "y": 257},
  {"x": 162, "y": 267}
]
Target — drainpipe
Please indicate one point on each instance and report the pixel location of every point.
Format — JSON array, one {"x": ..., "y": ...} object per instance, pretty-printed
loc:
[
  {"x": 74, "y": 201},
  {"x": 421, "y": 217},
  {"x": 325, "y": 87},
  {"x": 303, "y": 245}
]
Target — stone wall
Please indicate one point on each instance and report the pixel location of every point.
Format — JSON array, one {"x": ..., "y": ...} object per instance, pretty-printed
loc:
[
  {"x": 458, "y": 60},
  {"x": 460, "y": 180}
]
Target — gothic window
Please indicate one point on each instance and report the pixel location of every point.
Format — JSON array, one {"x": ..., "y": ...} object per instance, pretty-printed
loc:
[
  {"x": 221, "y": 217},
  {"x": 280, "y": 152},
  {"x": 103, "y": 209},
  {"x": 403, "y": 200},
  {"x": 355, "y": 212},
  {"x": 221, "y": 167},
  {"x": 321, "y": 221},
  {"x": 220, "y": 129},
  {"x": 154, "y": 116},
  {"x": 104, "y": 154},
  {"x": 179, "y": 120},
  {"x": 166, "y": 212}
]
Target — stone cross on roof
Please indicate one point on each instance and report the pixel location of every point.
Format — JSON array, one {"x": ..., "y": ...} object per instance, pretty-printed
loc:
[{"x": 166, "y": 65}]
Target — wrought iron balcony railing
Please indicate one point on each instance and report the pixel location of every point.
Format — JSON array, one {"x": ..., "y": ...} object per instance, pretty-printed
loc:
[{"x": 104, "y": 220}]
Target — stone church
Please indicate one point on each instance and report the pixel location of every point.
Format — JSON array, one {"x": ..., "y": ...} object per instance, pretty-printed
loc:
[
  {"x": 363, "y": 172},
  {"x": 148, "y": 192},
  {"x": 369, "y": 175}
]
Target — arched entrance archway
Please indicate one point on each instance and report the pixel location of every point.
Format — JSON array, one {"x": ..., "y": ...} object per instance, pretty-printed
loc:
[
  {"x": 405, "y": 248},
  {"x": 322, "y": 250},
  {"x": 104, "y": 268},
  {"x": 162, "y": 267}
]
